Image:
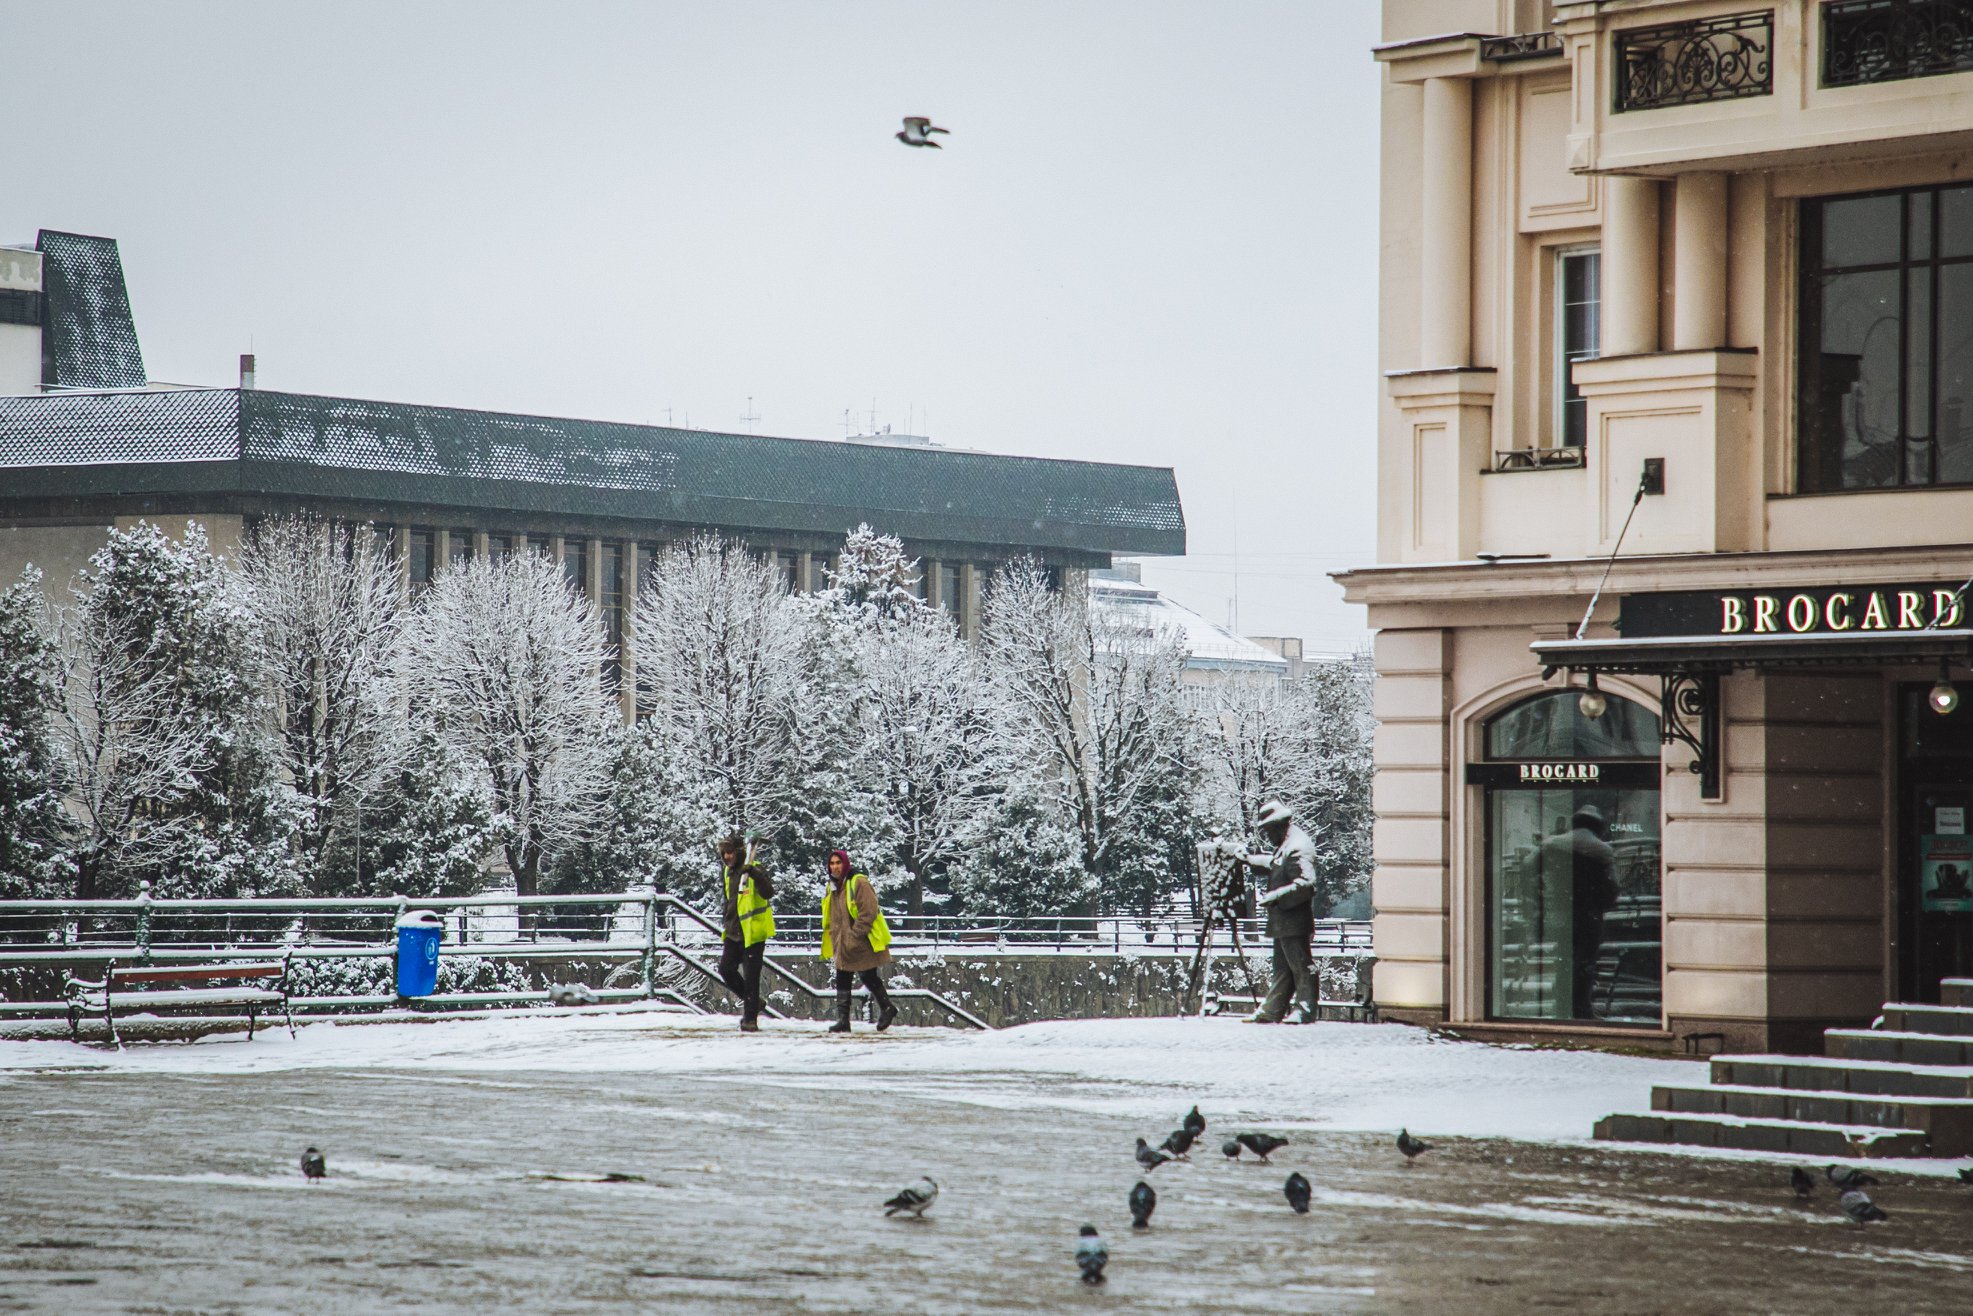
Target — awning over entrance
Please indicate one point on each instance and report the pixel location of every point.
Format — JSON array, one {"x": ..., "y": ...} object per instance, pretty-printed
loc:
[{"x": 1667, "y": 655}]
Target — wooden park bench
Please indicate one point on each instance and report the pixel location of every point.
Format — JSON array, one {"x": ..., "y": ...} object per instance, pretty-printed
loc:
[{"x": 171, "y": 987}]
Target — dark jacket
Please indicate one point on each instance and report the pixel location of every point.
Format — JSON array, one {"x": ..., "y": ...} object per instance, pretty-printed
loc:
[{"x": 1289, "y": 887}]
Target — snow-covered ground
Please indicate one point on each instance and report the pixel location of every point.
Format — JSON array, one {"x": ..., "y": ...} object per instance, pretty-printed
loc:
[{"x": 1346, "y": 1077}]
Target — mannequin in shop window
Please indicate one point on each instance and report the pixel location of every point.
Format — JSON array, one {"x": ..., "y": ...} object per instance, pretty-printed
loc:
[{"x": 1579, "y": 886}]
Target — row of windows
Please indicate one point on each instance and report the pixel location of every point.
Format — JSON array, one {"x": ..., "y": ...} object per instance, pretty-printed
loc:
[{"x": 1884, "y": 366}]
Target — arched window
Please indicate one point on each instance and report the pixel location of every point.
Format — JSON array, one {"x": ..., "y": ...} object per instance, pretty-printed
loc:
[{"x": 1573, "y": 870}]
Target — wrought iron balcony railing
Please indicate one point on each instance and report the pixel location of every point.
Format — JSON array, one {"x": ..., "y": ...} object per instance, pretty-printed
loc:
[
  {"x": 1867, "y": 41},
  {"x": 1708, "y": 59}
]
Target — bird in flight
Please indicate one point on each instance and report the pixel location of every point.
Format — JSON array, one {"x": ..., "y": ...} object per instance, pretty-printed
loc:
[{"x": 917, "y": 132}]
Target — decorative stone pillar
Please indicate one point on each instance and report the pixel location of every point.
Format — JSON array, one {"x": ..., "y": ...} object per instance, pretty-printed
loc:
[
  {"x": 1630, "y": 266},
  {"x": 1699, "y": 262},
  {"x": 1445, "y": 312}
]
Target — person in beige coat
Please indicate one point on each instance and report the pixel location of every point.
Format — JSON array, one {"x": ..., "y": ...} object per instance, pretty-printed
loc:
[{"x": 856, "y": 937}]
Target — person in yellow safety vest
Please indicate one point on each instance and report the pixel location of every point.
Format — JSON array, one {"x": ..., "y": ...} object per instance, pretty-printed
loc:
[
  {"x": 856, "y": 937},
  {"x": 747, "y": 922}
]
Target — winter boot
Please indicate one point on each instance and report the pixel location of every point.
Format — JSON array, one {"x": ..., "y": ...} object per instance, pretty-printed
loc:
[
  {"x": 886, "y": 1012},
  {"x": 842, "y": 1013}
]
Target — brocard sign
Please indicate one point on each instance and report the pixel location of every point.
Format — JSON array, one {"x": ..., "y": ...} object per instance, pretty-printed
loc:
[
  {"x": 1814, "y": 610},
  {"x": 1561, "y": 772}
]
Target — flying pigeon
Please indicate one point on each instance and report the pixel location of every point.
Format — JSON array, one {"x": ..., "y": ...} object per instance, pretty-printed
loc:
[
  {"x": 1412, "y": 1147},
  {"x": 1803, "y": 1183},
  {"x": 1262, "y": 1145},
  {"x": 1296, "y": 1190},
  {"x": 1194, "y": 1123},
  {"x": 1091, "y": 1255},
  {"x": 1150, "y": 1157},
  {"x": 1858, "y": 1206},
  {"x": 313, "y": 1166},
  {"x": 917, "y": 1199},
  {"x": 1143, "y": 1201},
  {"x": 1230, "y": 1149},
  {"x": 1846, "y": 1178},
  {"x": 1178, "y": 1142},
  {"x": 917, "y": 132}
]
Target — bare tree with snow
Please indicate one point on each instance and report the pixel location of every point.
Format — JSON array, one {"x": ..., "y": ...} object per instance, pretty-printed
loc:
[
  {"x": 1101, "y": 712},
  {"x": 327, "y": 605},
  {"x": 721, "y": 673},
  {"x": 505, "y": 660}
]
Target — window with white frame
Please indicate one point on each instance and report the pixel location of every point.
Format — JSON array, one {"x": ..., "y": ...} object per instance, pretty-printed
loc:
[{"x": 1578, "y": 336}]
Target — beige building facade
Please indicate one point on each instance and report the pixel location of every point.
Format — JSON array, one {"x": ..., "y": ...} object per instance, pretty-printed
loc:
[{"x": 1676, "y": 332}]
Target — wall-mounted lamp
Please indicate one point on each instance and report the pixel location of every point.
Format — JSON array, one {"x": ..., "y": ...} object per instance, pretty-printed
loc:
[
  {"x": 1592, "y": 705},
  {"x": 1943, "y": 697}
]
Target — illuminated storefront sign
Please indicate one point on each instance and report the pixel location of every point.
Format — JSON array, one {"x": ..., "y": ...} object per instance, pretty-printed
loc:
[{"x": 1813, "y": 610}]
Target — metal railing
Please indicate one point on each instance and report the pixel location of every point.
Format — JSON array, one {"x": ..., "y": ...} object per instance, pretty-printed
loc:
[
  {"x": 1865, "y": 41},
  {"x": 638, "y": 930},
  {"x": 1705, "y": 59}
]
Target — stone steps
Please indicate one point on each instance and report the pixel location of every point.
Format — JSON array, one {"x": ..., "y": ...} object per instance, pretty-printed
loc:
[
  {"x": 1835, "y": 1074},
  {"x": 1900, "y": 1088},
  {"x": 1835, "y": 1141}
]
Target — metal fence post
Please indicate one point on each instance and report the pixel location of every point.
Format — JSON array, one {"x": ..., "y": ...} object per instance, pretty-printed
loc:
[
  {"x": 144, "y": 922},
  {"x": 650, "y": 943}
]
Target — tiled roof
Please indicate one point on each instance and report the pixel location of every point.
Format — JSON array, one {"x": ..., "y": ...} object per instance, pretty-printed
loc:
[
  {"x": 287, "y": 443},
  {"x": 89, "y": 338}
]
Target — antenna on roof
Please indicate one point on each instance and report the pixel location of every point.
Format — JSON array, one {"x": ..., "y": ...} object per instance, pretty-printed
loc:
[
  {"x": 751, "y": 415},
  {"x": 873, "y": 415},
  {"x": 846, "y": 422}
]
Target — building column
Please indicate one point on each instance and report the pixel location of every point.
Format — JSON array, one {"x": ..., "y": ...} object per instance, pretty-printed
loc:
[
  {"x": 1445, "y": 286},
  {"x": 1630, "y": 266},
  {"x": 1699, "y": 262}
]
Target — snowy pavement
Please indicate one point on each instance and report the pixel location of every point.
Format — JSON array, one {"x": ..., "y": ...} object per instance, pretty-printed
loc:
[{"x": 464, "y": 1157}]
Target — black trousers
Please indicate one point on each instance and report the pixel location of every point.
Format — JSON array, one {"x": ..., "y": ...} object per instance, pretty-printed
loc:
[
  {"x": 873, "y": 982},
  {"x": 739, "y": 969}
]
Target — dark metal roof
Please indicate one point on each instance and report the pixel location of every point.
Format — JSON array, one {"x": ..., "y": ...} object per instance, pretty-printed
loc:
[
  {"x": 89, "y": 339},
  {"x": 1664, "y": 655},
  {"x": 231, "y": 440}
]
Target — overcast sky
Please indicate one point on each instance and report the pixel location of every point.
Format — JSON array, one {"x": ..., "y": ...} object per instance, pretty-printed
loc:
[{"x": 1150, "y": 236}]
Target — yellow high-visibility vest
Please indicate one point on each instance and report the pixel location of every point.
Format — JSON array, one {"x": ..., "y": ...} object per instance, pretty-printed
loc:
[
  {"x": 880, "y": 931},
  {"x": 756, "y": 915}
]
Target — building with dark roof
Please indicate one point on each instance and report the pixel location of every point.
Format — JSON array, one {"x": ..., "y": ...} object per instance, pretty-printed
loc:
[{"x": 87, "y": 443}]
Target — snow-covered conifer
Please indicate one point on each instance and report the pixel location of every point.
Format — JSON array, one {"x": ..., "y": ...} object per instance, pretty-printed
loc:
[{"x": 34, "y": 830}]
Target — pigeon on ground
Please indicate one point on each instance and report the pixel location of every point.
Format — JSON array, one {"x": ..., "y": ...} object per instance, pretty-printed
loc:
[
  {"x": 917, "y": 1199},
  {"x": 1178, "y": 1142},
  {"x": 1966, "y": 1176},
  {"x": 1194, "y": 1123},
  {"x": 1412, "y": 1147},
  {"x": 1262, "y": 1145},
  {"x": 917, "y": 132},
  {"x": 1150, "y": 1157},
  {"x": 1803, "y": 1182},
  {"x": 1858, "y": 1206},
  {"x": 1230, "y": 1149},
  {"x": 1846, "y": 1178},
  {"x": 313, "y": 1165},
  {"x": 1143, "y": 1201},
  {"x": 1091, "y": 1255},
  {"x": 1297, "y": 1192}
]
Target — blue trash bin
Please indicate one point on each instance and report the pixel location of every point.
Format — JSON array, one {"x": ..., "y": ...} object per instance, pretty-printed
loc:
[{"x": 418, "y": 932}]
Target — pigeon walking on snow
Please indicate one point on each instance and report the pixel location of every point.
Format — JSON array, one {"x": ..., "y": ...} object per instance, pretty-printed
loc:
[
  {"x": 1858, "y": 1206},
  {"x": 313, "y": 1165},
  {"x": 1296, "y": 1190},
  {"x": 1091, "y": 1255},
  {"x": 1262, "y": 1145},
  {"x": 1966, "y": 1176},
  {"x": 1150, "y": 1157},
  {"x": 1846, "y": 1178},
  {"x": 917, "y": 132},
  {"x": 1194, "y": 1123},
  {"x": 917, "y": 1199},
  {"x": 1803, "y": 1183},
  {"x": 1143, "y": 1201},
  {"x": 1178, "y": 1142},
  {"x": 1412, "y": 1147},
  {"x": 1230, "y": 1149}
]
